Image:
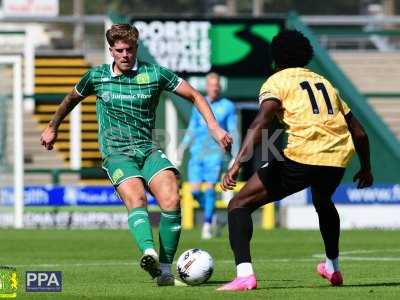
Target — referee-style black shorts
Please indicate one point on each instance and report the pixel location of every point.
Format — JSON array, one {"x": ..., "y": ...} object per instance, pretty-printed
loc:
[{"x": 283, "y": 178}]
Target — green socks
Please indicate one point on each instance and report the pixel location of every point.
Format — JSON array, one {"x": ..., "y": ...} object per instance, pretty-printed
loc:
[
  {"x": 170, "y": 231},
  {"x": 140, "y": 228}
]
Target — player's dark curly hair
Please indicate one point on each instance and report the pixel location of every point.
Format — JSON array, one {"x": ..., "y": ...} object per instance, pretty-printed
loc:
[{"x": 290, "y": 49}]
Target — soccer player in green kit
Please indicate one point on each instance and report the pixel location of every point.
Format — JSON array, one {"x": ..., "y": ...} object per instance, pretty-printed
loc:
[{"x": 128, "y": 92}]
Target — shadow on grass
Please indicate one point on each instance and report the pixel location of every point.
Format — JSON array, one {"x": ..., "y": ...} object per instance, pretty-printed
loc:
[
  {"x": 378, "y": 284},
  {"x": 373, "y": 284},
  {"x": 215, "y": 282}
]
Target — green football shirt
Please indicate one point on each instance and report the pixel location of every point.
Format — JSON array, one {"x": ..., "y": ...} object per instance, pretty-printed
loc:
[{"x": 126, "y": 105}]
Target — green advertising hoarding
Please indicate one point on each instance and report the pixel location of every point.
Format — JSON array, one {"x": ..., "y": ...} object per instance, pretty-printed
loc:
[{"x": 230, "y": 47}]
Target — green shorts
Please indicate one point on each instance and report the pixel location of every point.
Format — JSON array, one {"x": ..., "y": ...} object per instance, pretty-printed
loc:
[{"x": 120, "y": 167}]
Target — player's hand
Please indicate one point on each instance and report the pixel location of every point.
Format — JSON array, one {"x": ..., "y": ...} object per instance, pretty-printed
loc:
[
  {"x": 229, "y": 180},
  {"x": 364, "y": 177},
  {"x": 223, "y": 138},
  {"x": 48, "y": 137}
]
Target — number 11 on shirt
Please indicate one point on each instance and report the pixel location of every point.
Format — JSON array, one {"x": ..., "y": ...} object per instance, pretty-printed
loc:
[{"x": 305, "y": 85}]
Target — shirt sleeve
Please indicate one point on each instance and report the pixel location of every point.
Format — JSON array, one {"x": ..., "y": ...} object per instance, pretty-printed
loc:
[
  {"x": 344, "y": 108},
  {"x": 270, "y": 90},
  {"x": 169, "y": 80},
  {"x": 85, "y": 85}
]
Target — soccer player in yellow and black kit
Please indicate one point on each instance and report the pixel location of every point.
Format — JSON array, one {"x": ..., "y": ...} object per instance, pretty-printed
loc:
[{"x": 321, "y": 131}]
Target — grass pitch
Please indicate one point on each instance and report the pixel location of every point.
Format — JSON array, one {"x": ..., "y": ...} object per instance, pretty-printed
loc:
[{"x": 102, "y": 264}]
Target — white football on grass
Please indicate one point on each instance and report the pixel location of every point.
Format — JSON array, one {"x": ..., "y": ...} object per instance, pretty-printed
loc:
[{"x": 195, "y": 266}]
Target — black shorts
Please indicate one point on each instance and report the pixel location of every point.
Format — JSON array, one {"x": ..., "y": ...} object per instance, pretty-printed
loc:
[{"x": 283, "y": 178}]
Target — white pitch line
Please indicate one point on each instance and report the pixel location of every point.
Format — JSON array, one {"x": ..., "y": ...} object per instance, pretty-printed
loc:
[
  {"x": 370, "y": 258},
  {"x": 314, "y": 258},
  {"x": 95, "y": 264},
  {"x": 360, "y": 258},
  {"x": 121, "y": 263},
  {"x": 360, "y": 251},
  {"x": 344, "y": 255}
]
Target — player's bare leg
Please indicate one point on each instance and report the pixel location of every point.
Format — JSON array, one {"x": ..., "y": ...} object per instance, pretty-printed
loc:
[
  {"x": 132, "y": 192},
  {"x": 251, "y": 196},
  {"x": 164, "y": 187}
]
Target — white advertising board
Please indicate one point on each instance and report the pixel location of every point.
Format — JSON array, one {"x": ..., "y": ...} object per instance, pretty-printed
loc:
[{"x": 351, "y": 216}]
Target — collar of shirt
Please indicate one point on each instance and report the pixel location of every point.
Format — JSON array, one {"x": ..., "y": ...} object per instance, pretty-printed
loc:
[
  {"x": 134, "y": 68},
  {"x": 209, "y": 99}
]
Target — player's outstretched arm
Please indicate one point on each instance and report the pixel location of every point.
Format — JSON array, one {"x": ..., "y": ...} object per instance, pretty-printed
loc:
[
  {"x": 186, "y": 91},
  {"x": 49, "y": 135},
  {"x": 361, "y": 143},
  {"x": 267, "y": 112}
]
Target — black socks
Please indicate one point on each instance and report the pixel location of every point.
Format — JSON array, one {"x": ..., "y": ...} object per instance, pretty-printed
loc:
[{"x": 240, "y": 233}]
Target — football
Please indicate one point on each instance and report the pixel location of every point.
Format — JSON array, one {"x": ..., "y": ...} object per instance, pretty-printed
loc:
[{"x": 195, "y": 266}]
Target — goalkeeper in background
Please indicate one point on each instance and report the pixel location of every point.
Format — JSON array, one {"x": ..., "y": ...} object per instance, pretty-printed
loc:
[
  {"x": 206, "y": 159},
  {"x": 128, "y": 91}
]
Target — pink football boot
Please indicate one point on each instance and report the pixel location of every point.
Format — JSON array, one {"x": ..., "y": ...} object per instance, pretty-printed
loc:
[
  {"x": 334, "y": 278},
  {"x": 240, "y": 284}
]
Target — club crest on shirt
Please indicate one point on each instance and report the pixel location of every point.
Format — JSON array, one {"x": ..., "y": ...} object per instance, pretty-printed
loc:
[{"x": 142, "y": 78}]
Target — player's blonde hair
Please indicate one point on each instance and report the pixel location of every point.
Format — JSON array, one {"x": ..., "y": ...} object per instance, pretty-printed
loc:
[
  {"x": 212, "y": 75},
  {"x": 122, "y": 32}
]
